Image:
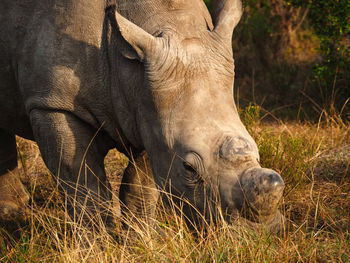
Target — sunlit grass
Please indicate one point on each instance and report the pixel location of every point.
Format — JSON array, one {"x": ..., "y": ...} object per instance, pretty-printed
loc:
[{"x": 313, "y": 159}]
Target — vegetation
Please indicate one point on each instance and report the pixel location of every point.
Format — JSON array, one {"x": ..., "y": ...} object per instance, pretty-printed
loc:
[
  {"x": 313, "y": 159},
  {"x": 294, "y": 54}
]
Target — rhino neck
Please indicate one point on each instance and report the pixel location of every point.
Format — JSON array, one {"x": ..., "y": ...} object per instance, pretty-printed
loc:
[
  {"x": 123, "y": 78},
  {"x": 126, "y": 83}
]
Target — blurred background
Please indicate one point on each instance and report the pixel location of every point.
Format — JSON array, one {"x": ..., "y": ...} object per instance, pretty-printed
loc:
[{"x": 292, "y": 58}]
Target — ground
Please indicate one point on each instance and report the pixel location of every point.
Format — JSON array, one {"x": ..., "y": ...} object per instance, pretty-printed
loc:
[{"x": 313, "y": 159}]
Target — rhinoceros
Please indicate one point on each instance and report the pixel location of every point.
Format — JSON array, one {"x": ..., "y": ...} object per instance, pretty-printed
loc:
[{"x": 153, "y": 79}]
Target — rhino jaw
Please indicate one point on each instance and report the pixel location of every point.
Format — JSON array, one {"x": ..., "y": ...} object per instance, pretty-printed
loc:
[{"x": 262, "y": 189}]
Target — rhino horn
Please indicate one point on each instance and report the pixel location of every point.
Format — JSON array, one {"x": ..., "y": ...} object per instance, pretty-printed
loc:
[
  {"x": 134, "y": 43},
  {"x": 263, "y": 189},
  {"x": 226, "y": 15}
]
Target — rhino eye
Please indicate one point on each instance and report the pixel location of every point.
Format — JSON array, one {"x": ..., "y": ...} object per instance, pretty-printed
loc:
[
  {"x": 191, "y": 175},
  {"x": 189, "y": 168}
]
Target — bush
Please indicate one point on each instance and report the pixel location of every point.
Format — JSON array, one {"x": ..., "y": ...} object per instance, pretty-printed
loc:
[
  {"x": 330, "y": 22},
  {"x": 294, "y": 54}
]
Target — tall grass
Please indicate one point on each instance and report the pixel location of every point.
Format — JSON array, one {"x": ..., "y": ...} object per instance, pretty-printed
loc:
[{"x": 313, "y": 159}]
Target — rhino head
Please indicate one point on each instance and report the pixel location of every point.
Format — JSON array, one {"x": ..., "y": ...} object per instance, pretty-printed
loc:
[{"x": 197, "y": 145}]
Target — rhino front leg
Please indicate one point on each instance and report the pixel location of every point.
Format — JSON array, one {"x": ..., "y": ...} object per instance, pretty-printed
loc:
[
  {"x": 138, "y": 193},
  {"x": 74, "y": 155},
  {"x": 13, "y": 196}
]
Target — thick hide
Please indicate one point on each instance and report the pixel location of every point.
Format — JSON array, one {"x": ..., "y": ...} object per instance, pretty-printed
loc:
[{"x": 83, "y": 76}]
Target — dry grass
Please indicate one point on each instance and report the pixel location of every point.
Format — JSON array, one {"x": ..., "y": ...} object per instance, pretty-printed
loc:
[{"x": 313, "y": 159}]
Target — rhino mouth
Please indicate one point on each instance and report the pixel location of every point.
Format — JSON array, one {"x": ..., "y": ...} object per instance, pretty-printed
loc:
[{"x": 276, "y": 224}]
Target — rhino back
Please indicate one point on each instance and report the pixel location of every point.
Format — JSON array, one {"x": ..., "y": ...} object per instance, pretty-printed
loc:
[{"x": 51, "y": 58}]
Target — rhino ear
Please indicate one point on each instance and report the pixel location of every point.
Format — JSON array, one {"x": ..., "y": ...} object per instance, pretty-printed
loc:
[
  {"x": 226, "y": 15},
  {"x": 133, "y": 41}
]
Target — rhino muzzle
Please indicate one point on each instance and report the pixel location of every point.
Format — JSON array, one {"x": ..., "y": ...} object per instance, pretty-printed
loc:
[{"x": 262, "y": 189}]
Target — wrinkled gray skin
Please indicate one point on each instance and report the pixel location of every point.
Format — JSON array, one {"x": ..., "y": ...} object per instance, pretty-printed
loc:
[{"x": 155, "y": 75}]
